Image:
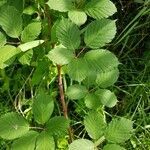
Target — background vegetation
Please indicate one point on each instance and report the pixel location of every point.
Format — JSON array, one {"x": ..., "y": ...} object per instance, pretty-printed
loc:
[{"x": 132, "y": 46}]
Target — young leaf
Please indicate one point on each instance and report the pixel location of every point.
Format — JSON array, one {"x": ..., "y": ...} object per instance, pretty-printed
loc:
[
  {"x": 92, "y": 101},
  {"x": 57, "y": 126},
  {"x": 113, "y": 147},
  {"x": 106, "y": 79},
  {"x": 76, "y": 92},
  {"x": 7, "y": 52},
  {"x": 99, "y": 9},
  {"x": 95, "y": 124},
  {"x": 43, "y": 106},
  {"x": 12, "y": 28},
  {"x": 30, "y": 45},
  {"x": 2, "y": 39},
  {"x": 45, "y": 142},
  {"x": 25, "y": 59},
  {"x": 77, "y": 69},
  {"x": 99, "y": 33},
  {"x": 119, "y": 130},
  {"x": 27, "y": 142},
  {"x": 106, "y": 97},
  {"x": 68, "y": 34},
  {"x": 101, "y": 60},
  {"x": 31, "y": 32},
  {"x": 12, "y": 126},
  {"x": 60, "y": 5},
  {"x": 82, "y": 144},
  {"x": 78, "y": 17},
  {"x": 60, "y": 56}
]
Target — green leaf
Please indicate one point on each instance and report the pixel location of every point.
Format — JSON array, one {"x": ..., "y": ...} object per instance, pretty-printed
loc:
[
  {"x": 77, "y": 69},
  {"x": 12, "y": 28},
  {"x": 12, "y": 126},
  {"x": 45, "y": 142},
  {"x": 60, "y": 5},
  {"x": 119, "y": 130},
  {"x": 101, "y": 60},
  {"x": 95, "y": 124},
  {"x": 68, "y": 34},
  {"x": 25, "y": 59},
  {"x": 92, "y": 101},
  {"x": 99, "y": 9},
  {"x": 82, "y": 144},
  {"x": 106, "y": 79},
  {"x": 2, "y": 39},
  {"x": 27, "y": 142},
  {"x": 18, "y": 4},
  {"x": 6, "y": 54},
  {"x": 30, "y": 45},
  {"x": 106, "y": 97},
  {"x": 30, "y": 10},
  {"x": 31, "y": 32},
  {"x": 76, "y": 92},
  {"x": 99, "y": 33},
  {"x": 43, "y": 106},
  {"x": 2, "y": 2},
  {"x": 57, "y": 126},
  {"x": 113, "y": 147},
  {"x": 61, "y": 56},
  {"x": 78, "y": 17}
]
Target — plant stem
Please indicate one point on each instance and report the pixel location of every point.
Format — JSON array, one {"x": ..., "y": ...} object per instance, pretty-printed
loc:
[{"x": 62, "y": 99}]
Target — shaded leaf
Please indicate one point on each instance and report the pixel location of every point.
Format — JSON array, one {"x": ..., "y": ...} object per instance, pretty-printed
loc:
[
  {"x": 45, "y": 142},
  {"x": 77, "y": 69},
  {"x": 2, "y": 39},
  {"x": 11, "y": 21},
  {"x": 113, "y": 147},
  {"x": 57, "y": 126},
  {"x": 107, "y": 97},
  {"x": 27, "y": 142},
  {"x": 31, "y": 32},
  {"x": 76, "y": 92},
  {"x": 43, "y": 106},
  {"x": 12, "y": 126}
]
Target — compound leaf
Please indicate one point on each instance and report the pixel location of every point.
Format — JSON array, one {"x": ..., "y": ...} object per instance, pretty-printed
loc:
[
  {"x": 99, "y": 9},
  {"x": 12, "y": 126},
  {"x": 68, "y": 34},
  {"x": 43, "y": 106},
  {"x": 81, "y": 144},
  {"x": 99, "y": 33},
  {"x": 119, "y": 130},
  {"x": 95, "y": 124}
]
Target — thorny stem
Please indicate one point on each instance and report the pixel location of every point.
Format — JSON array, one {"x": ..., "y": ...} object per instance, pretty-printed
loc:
[{"x": 62, "y": 99}]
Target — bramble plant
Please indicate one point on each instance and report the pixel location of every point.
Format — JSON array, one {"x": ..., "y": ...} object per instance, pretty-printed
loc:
[{"x": 60, "y": 44}]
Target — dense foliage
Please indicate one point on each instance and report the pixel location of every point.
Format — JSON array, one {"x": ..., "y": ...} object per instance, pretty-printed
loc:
[{"x": 58, "y": 73}]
